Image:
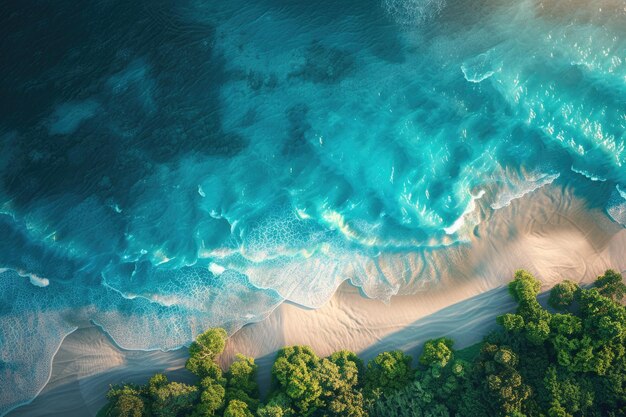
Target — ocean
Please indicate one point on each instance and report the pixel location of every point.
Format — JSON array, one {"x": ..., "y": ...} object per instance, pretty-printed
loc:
[{"x": 167, "y": 166}]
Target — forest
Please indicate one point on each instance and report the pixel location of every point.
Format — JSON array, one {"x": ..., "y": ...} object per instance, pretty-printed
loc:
[{"x": 563, "y": 359}]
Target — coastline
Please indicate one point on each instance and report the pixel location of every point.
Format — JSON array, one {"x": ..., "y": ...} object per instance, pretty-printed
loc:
[{"x": 550, "y": 232}]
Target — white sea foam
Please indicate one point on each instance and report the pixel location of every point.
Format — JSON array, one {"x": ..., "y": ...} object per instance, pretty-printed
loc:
[
  {"x": 480, "y": 68},
  {"x": 587, "y": 174},
  {"x": 216, "y": 269},
  {"x": 462, "y": 220},
  {"x": 520, "y": 189},
  {"x": 38, "y": 281},
  {"x": 617, "y": 206}
]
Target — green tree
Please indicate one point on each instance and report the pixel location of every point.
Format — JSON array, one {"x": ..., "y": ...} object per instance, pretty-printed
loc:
[
  {"x": 171, "y": 399},
  {"x": 565, "y": 324},
  {"x": 279, "y": 405},
  {"x": 272, "y": 410},
  {"x": 296, "y": 374},
  {"x": 437, "y": 351},
  {"x": 524, "y": 286},
  {"x": 126, "y": 401},
  {"x": 388, "y": 372},
  {"x": 340, "y": 396},
  {"x": 242, "y": 375},
  {"x": 242, "y": 385},
  {"x": 127, "y": 406},
  {"x": 204, "y": 350},
  {"x": 568, "y": 394},
  {"x": 502, "y": 381},
  {"x": 511, "y": 322},
  {"x": 562, "y": 295},
  {"x": 212, "y": 398},
  {"x": 237, "y": 408},
  {"x": 538, "y": 331},
  {"x": 610, "y": 285},
  {"x": 413, "y": 400},
  {"x": 350, "y": 366},
  {"x": 524, "y": 289}
]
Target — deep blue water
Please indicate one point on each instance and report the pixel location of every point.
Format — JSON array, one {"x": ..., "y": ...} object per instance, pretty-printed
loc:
[{"x": 173, "y": 165}]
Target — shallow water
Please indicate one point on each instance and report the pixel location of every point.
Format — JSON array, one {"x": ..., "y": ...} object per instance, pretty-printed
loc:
[{"x": 173, "y": 165}]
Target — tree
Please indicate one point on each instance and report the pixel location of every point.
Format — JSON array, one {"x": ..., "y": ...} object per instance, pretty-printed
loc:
[
  {"x": 413, "y": 400},
  {"x": 127, "y": 406},
  {"x": 237, "y": 408},
  {"x": 350, "y": 366},
  {"x": 437, "y": 351},
  {"x": 602, "y": 317},
  {"x": 126, "y": 401},
  {"x": 204, "y": 350},
  {"x": 170, "y": 399},
  {"x": 202, "y": 354},
  {"x": 242, "y": 375},
  {"x": 610, "y": 285},
  {"x": 271, "y": 410},
  {"x": 340, "y": 396},
  {"x": 565, "y": 324},
  {"x": 279, "y": 405},
  {"x": 504, "y": 385},
  {"x": 568, "y": 394},
  {"x": 388, "y": 372},
  {"x": 562, "y": 295},
  {"x": 524, "y": 286},
  {"x": 538, "y": 331},
  {"x": 296, "y": 373},
  {"x": 211, "y": 399},
  {"x": 511, "y": 322},
  {"x": 536, "y": 320},
  {"x": 242, "y": 385}
]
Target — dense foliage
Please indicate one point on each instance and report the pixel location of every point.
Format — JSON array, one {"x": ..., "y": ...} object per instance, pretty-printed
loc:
[{"x": 565, "y": 362}]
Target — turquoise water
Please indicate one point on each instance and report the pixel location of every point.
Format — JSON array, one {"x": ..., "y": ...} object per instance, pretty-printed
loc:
[{"x": 173, "y": 165}]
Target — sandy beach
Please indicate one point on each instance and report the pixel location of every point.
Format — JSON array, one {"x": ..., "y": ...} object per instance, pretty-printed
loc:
[{"x": 551, "y": 233}]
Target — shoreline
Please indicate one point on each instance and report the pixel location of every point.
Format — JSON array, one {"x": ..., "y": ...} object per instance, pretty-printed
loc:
[{"x": 550, "y": 232}]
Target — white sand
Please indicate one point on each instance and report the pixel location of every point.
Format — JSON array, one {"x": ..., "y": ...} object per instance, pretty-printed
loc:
[{"x": 550, "y": 233}]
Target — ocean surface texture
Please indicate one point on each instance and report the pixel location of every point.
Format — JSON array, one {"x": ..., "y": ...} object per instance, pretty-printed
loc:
[{"x": 170, "y": 165}]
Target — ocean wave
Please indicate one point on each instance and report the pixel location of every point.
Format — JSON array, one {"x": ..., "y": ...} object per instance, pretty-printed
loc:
[
  {"x": 616, "y": 207},
  {"x": 519, "y": 189},
  {"x": 589, "y": 175}
]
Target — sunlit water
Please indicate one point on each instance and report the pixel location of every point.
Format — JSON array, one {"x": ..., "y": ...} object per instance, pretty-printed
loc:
[{"x": 173, "y": 165}]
